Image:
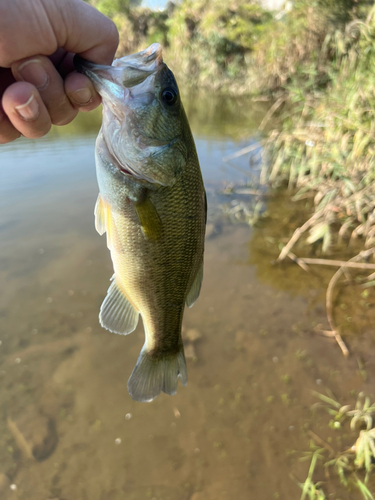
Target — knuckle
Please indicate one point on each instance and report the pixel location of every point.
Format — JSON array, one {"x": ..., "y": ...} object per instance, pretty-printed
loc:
[
  {"x": 88, "y": 107},
  {"x": 8, "y": 133},
  {"x": 61, "y": 111},
  {"x": 37, "y": 132},
  {"x": 7, "y": 53},
  {"x": 5, "y": 139},
  {"x": 65, "y": 120},
  {"x": 114, "y": 34},
  {"x": 43, "y": 132}
]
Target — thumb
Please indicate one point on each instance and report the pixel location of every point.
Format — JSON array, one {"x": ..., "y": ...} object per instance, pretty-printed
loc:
[{"x": 84, "y": 31}]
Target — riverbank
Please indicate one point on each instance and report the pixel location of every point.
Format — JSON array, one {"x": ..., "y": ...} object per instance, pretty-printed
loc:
[{"x": 241, "y": 48}]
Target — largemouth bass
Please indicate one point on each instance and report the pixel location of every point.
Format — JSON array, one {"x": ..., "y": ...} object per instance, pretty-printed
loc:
[{"x": 152, "y": 205}]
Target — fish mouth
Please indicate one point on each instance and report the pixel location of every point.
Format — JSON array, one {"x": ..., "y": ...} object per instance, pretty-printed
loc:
[{"x": 113, "y": 82}]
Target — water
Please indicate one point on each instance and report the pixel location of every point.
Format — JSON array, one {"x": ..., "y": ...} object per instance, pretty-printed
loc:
[{"x": 68, "y": 428}]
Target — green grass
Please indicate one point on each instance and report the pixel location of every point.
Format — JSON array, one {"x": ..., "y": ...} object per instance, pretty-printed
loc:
[
  {"x": 347, "y": 463},
  {"x": 326, "y": 143},
  {"x": 310, "y": 489}
]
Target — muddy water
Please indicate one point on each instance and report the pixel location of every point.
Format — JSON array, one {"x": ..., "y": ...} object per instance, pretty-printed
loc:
[{"x": 68, "y": 428}]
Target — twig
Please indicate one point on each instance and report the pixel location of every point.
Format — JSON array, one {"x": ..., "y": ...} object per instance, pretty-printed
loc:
[
  {"x": 300, "y": 262},
  {"x": 327, "y": 333},
  {"x": 347, "y": 274},
  {"x": 241, "y": 152},
  {"x": 335, "y": 263},
  {"x": 248, "y": 174},
  {"x": 355, "y": 125},
  {"x": 336, "y": 336},
  {"x": 329, "y": 300},
  {"x": 320, "y": 441},
  {"x": 329, "y": 311},
  {"x": 271, "y": 111},
  {"x": 255, "y": 192},
  {"x": 296, "y": 235}
]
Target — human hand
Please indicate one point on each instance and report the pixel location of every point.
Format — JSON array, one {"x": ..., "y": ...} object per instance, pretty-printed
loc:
[{"x": 38, "y": 84}]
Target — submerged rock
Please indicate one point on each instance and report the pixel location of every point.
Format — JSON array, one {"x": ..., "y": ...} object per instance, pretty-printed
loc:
[
  {"x": 212, "y": 230},
  {"x": 193, "y": 334},
  {"x": 34, "y": 433},
  {"x": 190, "y": 352},
  {"x": 198, "y": 496}
]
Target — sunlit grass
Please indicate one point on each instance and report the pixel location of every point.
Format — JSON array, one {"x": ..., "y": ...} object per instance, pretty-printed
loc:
[
  {"x": 346, "y": 463},
  {"x": 310, "y": 489}
]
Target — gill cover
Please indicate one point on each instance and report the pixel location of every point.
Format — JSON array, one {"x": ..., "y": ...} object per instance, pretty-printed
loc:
[{"x": 142, "y": 115}]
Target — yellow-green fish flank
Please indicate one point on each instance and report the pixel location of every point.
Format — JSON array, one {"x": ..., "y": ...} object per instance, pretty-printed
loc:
[{"x": 152, "y": 206}]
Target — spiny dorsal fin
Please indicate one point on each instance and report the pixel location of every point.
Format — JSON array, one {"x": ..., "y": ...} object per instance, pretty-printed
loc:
[
  {"x": 149, "y": 218},
  {"x": 195, "y": 287},
  {"x": 116, "y": 313}
]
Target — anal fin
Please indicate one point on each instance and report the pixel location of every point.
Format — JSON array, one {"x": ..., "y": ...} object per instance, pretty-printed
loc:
[
  {"x": 116, "y": 313},
  {"x": 195, "y": 289}
]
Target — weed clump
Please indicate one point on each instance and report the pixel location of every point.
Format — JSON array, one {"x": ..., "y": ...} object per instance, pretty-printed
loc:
[
  {"x": 325, "y": 146},
  {"x": 347, "y": 464}
]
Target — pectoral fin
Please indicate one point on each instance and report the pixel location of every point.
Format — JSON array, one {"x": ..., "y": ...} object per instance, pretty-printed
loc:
[
  {"x": 103, "y": 220},
  {"x": 195, "y": 289},
  {"x": 100, "y": 216},
  {"x": 116, "y": 313},
  {"x": 149, "y": 218}
]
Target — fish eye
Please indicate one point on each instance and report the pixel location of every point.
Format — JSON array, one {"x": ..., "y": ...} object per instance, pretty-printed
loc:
[{"x": 169, "y": 96}]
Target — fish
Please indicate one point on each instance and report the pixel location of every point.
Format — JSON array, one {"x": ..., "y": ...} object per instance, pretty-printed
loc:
[{"x": 152, "y": 206}]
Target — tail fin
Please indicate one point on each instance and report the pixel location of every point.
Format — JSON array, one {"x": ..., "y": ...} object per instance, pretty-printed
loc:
[{"x": 153, "y": 375}]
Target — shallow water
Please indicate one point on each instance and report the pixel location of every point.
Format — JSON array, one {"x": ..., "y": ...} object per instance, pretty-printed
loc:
[{"x": 68, "y": 428}]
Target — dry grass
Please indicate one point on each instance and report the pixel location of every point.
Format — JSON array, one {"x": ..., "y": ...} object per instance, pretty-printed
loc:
[{"x": 327, "y": 147}]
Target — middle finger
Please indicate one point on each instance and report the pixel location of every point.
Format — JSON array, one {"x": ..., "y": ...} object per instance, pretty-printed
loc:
[{"x": 40, "y": 72}]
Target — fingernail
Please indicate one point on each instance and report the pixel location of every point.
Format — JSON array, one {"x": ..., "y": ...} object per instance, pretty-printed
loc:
[
  {"x": 81, "y": 96},
  {"x": 28, "y": 111},
  {"x": 33, "y": 71}
]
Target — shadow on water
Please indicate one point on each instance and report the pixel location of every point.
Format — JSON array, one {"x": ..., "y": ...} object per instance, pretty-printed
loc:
[{"x": 68, "y": 428}]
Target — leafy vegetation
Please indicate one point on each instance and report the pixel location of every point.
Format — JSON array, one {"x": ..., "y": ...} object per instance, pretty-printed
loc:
[
  {"x": 238, "y": 47},
  {"x": 325, "y": 144},
  {"x": 211, "y": 42},
  {"x": 347, "y": 464}
]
